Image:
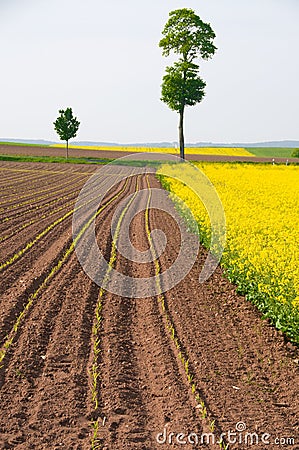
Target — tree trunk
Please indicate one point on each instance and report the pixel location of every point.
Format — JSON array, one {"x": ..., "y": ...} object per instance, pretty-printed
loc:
[
  {"x": 67, "y": 149},
  {"x": 181, "y": 134}
]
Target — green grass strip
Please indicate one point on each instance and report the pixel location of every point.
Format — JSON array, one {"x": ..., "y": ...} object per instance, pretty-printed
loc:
[
  {"x": 54, "y": 159},
  {"x": 271, "y": 152}
]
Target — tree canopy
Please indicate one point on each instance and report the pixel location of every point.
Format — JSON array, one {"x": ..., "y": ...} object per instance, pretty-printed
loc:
[
  {"x": 182, "y": 86},
  {"x": 187, "y": 35}
]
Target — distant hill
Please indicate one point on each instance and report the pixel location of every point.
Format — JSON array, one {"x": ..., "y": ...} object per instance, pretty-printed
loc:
[
  {"x": 272, "y": 144},
  {"x": 115, "y": 144},
  {"x": 281, "y": 144}
]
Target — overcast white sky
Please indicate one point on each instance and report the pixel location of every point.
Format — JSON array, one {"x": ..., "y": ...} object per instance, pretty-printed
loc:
[{"x": 102, "y": 59}]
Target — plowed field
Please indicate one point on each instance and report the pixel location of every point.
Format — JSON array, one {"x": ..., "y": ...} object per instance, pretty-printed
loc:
[{"x": 83, "y": 368}]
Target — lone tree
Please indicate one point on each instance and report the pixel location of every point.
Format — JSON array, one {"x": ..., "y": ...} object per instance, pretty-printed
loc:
[
  {"x": 187, "y": 35},
  {"x": 66, "y": 126}
]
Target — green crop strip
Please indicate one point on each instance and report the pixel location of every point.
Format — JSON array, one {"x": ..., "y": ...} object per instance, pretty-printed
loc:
[
  {"x": 45, "y": 171},
  {"x": 18, "y": 230},
  {"x": 33, "y": 221},
  {"x": 30, "y": 194},
  {"x": 12, "y": 334},
  {"x": 95, "y": 373},
  {"x": 30, "y": 244},
  {"x": 182, "y": 354},
  {"x": 57, "y": 190},
  {"x": 10, "y": 182},
  {"x": 55, "y": 159},
  {"x": 44, "y": 205}
]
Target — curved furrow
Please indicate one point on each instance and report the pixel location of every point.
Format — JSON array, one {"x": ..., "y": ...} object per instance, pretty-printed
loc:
[
  {"x": 19, "y": 253},
  {"x": 28, "y": 284},
  {"x": 11, "y": 181},
  {"x": 28, "y": 184},
  {"x": 22, "y": 250},
  {"x": 34, "y": 200},
  {"x": 21, "y": 178},
  {"x": 17, "y": 211},
  {"x": 18, "y": 229},
  {"x": 21, "y": 281},
  {"x": 56, "y": 382},
  {"x": 38, "y": 384},
  {"x": 27, "y": 234},
  {"x": 64, "y": 381},
  {"x": 142, "y": 388},
  {"x": 19, "y": 216},
  {"x": 31, "y": 192}
]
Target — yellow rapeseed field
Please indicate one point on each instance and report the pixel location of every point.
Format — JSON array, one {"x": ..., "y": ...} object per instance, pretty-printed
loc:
[
  {"x": 224, "y": 151},
  {"x": 261, "y": 204}
]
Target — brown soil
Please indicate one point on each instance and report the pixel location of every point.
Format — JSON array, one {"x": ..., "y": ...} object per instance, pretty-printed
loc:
[
  {"x": 244, "y": 370},
  {"x": 78, "y": 153}
]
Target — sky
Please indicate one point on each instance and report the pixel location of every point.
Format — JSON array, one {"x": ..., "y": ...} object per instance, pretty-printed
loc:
[{"x": 102, "y": 59}]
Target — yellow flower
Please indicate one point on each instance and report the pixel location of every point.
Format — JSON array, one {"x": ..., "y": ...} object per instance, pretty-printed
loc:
[{"x": 261, "y": 204}]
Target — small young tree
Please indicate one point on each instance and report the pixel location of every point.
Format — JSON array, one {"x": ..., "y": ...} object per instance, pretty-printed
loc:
[
  {"x": 187, "y": 35},
  {"x": 66, "y": 126}
]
